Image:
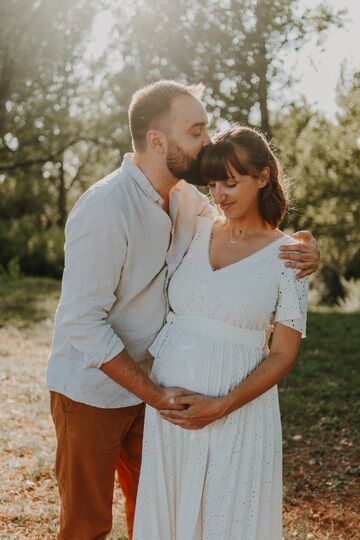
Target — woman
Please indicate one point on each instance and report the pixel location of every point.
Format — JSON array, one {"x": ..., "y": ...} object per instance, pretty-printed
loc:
[{"x": 224, "y": 481}]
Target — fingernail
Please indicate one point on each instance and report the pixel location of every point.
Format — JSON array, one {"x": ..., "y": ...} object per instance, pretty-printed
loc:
[{"x": 288, "y": 264}]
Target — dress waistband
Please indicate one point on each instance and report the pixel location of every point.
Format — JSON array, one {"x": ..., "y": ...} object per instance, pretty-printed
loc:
[{"x": 213, "y": 328}]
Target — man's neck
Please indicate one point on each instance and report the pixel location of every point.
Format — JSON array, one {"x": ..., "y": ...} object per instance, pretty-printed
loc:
[{"x": 161, "y": 179}]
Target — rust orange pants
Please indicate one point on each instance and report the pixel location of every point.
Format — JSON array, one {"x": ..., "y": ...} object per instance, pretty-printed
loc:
[{"x": 92, "y": 444}]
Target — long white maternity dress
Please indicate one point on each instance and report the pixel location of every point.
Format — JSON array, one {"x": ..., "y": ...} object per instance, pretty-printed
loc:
[{"x": 222, "y": 482}]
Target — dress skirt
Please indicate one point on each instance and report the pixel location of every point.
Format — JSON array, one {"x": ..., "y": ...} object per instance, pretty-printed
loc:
[{"x": 222, "y": 482}]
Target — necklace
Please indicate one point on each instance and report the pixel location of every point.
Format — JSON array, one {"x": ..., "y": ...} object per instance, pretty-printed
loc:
[{"x": 233, "y": 240}]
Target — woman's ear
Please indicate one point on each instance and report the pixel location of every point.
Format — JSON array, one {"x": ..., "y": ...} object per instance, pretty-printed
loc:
[
  {"x": 156, "y": 141},
  {"x": 264, "y": 177}
]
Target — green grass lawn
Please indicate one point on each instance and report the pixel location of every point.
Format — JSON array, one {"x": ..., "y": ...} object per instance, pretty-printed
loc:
[{"x": 324, "y": 385}]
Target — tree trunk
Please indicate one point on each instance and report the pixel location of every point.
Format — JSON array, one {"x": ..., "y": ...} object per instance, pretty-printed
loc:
[{"x": 262, "y": 64}]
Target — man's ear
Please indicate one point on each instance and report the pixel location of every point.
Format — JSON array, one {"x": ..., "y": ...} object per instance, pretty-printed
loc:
[
  {"x": 156, "y": 141},
  {"x": 264, "y": 177}
]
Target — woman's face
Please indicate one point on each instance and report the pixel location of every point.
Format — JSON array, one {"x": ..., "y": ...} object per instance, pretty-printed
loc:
[{"x": 238, "y": 195}]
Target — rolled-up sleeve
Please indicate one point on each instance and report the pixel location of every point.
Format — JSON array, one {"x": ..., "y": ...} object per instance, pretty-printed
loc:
[{"x": 95, "y": 251}]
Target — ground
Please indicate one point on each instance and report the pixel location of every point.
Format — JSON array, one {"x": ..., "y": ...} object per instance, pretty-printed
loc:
[{"x": 320, "y": 410}]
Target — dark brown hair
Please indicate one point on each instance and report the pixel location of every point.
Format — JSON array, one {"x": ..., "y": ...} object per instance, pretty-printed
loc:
[
  {"x": 150, "y": 104},
  {"x": 247, "y": 150}
]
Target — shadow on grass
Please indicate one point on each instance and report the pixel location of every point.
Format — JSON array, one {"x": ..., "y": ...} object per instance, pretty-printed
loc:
[{"x": 27, "y": 300}]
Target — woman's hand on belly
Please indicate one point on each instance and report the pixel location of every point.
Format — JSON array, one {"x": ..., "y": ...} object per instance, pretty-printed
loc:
[{"x": 198, "y": 411}]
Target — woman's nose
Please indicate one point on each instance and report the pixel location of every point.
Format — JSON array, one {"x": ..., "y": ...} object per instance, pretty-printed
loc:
[{"x": 218, "y": 194}]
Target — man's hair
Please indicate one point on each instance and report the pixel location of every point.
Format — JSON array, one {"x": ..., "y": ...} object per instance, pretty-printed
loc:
[{"x": 151, "y": 104}]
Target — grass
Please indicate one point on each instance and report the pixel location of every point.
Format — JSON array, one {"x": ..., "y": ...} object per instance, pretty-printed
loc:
[
  {"x": 27, "y": 300},
  {"x": 320, "y": 411},
  {"x": 320, "y": 402}
]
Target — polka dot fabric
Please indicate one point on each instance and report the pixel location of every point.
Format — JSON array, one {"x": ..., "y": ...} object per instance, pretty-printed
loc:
[{"x": 223, "y": 482}]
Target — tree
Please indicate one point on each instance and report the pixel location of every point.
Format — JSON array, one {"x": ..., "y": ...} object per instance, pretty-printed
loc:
[
  {"x": 323, "y": 159},
  {"x": 43, "y": 115},
  {"x": 232, "y": 46}
]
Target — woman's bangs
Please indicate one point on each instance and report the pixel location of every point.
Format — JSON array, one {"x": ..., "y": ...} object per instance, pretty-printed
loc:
[
  {"x": 216, "y": 159},
  {"x": 214, "y": 164}
]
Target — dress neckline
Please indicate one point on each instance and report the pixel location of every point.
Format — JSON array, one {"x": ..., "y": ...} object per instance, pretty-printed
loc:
[{"x": 243, "y": 259}]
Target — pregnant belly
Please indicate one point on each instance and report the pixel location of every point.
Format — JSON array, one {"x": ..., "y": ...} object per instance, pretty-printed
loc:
[{"x": 209, "y": 366}]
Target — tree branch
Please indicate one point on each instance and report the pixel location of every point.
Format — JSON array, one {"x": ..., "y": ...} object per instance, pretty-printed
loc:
[{"x": 49, "y": 157}]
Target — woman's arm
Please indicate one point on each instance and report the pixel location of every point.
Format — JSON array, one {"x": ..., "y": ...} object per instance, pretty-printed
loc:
[{"x": 202, "y": 410}]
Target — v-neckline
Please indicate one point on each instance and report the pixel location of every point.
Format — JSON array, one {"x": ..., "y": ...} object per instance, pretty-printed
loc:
[{"x": 251, "y": 255}]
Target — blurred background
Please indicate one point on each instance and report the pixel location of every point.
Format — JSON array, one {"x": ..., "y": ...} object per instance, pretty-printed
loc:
[
  {"x": 68, "y": 70},
  {"x": 67, "y": 73}
]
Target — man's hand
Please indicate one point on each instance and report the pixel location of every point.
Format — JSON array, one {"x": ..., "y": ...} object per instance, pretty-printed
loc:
[
  {"x": 169, "y": 398},
  {"x": 305, "y": 255},
  {"x": 197, "y": 411}
]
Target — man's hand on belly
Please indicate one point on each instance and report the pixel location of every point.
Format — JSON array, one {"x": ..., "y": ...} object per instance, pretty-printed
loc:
[
  {"x": 199, "y": 411},
  {"x": 169, "y": 398}
]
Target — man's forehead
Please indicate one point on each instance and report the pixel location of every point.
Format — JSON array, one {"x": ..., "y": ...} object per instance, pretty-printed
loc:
[{"x": 188, "y": 111}]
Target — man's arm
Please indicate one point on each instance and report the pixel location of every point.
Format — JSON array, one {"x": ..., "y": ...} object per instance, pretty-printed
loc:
[
  {"x": 305, "y": 255},
  {"x": 124, "y": 370},
  {"x": 95, "y": 251}
]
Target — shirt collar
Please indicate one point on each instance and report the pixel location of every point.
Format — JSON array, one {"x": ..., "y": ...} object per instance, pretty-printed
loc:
[{"x": 140, "y": 179}]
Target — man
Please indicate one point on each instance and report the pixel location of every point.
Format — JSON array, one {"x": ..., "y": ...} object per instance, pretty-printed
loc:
[{"x": 124, "y": 239}]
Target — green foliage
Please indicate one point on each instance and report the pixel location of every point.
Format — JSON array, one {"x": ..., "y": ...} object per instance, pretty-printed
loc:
[
  {"x": 323, "y": 159},
  {"x": 63, "y": 113},
  {"x": 30, "y": 248}
]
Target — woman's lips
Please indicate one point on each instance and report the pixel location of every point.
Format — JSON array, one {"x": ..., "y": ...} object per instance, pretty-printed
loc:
[{"x": 226, "y": 206}]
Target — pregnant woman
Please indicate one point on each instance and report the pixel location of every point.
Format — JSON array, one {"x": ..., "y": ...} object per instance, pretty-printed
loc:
[{"x": 213, "y": 470}]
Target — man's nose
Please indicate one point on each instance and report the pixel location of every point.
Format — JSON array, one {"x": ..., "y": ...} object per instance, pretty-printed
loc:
[{"x": 206, "y": 138}]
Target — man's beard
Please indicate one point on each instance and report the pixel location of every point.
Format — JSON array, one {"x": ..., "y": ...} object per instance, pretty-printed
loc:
[{"x": 181, "y": 165}]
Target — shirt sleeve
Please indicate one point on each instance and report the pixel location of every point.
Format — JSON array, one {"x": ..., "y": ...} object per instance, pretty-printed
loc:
[
  {"x": 291, "y": 308},
  {"x": 95, "y": 251},
  {"x": 206, "y": 209}
]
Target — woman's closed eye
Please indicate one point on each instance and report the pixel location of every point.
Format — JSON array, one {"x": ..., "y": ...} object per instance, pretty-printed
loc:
[{"x": 228, "y": 184}]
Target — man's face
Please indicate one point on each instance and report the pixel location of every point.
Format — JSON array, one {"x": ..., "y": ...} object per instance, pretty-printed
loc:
[{"x": 187, "y": 136}]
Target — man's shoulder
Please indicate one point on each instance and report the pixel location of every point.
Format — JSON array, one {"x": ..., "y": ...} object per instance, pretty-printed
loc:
[
  {"x": 106, "y": 188},
  {"x": 189, "y": 190},
  {"x": 108, "y": 192}
]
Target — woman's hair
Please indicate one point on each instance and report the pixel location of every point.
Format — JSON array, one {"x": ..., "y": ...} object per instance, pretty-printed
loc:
[{"x": 248, "y": 151}]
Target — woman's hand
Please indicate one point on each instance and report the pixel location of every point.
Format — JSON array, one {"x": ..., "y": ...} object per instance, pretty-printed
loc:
[
  {"x": 305, "y": 255},
  {"x": 199, "y": 411},
  {"x": 168, "y": 397}
]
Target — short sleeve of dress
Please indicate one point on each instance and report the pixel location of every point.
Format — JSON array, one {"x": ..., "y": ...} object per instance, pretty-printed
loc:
[{"x": 291, "y": 308}]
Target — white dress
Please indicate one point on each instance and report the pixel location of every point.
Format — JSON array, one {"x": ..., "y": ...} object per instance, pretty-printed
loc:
[{"x": 222, "y": 482}]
